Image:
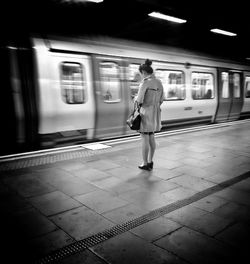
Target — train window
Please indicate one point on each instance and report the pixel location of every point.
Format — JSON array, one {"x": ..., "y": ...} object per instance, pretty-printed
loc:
[
  {"x": 134, "y": 79},
  {"x": 247, "y": 85},
  {"x": 173, "y": 84},
  {"x": 110, "y": 82},
  {"x": 202, "y": 85},
  {"x": 236, "y": 85},
  {"x": 72, "y": 83},
  {"x": 225, "y": 85}
]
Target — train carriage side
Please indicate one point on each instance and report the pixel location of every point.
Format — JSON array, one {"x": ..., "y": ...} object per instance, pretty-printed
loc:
[
  {"x": 74, "y": 91},
  {"x": 66, "y": 104},
  {"x": 95, "y": 85}
]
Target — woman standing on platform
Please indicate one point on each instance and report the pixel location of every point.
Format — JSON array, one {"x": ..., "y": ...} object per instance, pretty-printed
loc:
[{"x": 150, "y": 97}]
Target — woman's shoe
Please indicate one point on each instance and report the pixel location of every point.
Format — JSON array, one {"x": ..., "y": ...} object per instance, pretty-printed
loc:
[
  {"x": 150, "y": 165},
  {"x": 144, "y": 167}
]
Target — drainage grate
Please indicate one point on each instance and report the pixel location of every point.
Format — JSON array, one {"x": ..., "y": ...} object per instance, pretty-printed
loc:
[{"x": 119, "y": 229}]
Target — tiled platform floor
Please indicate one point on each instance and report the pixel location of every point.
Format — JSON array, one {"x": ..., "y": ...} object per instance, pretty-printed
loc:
[{"x": 49, "y": 206}]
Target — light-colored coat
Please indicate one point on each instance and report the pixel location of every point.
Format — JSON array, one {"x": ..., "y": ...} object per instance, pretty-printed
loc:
[{"x": 150, "y": 96}]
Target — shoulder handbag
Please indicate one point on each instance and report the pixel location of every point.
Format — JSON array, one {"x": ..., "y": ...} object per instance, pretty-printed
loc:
[{"x": 134, "y": 120}]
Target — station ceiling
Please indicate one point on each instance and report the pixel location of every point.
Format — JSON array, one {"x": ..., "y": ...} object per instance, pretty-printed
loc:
[{"x": 128, "y": 19}]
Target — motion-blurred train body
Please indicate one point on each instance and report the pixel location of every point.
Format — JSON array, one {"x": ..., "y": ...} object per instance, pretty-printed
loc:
[{"x": 76, "y": 90}]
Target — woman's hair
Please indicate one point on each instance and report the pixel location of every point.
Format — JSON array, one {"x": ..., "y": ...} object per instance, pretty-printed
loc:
[{"x": 146, "y": 67}]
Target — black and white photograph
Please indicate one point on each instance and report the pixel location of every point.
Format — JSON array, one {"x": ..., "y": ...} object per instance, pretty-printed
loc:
[{"x": 125, "y": 132}]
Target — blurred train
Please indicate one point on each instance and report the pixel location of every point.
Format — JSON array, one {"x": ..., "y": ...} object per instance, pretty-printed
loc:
[{"x": 73, "y": 90}]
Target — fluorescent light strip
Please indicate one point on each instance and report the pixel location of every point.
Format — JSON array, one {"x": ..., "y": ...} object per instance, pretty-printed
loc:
[
  {"x": 223, "y": 32},
  {"x": 95, "y": 1},
  {"x": 165, "y": 17}
]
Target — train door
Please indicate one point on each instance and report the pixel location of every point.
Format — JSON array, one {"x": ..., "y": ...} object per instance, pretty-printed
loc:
[
  {"x": 111, "y": 105},
  {"x": 236, "y": 89},
  {"x": 66, "y": 98},
  {"x": 245, "y": 112},
  {"x": 230, "y": 95},
  {"x": 175, "y": 108}
]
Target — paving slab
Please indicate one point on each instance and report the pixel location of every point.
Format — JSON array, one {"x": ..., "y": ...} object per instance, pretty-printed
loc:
[
  {"x": 192, "y": 182},
  {"x": 101, "y": 201},
  {"x": 81, "y": 222},
  {"x": 155, "y": 229},
  {"x": 86, "y": 257},
  {"x": 54, "y": 203},
  {"x": 235, "y": 196},
  {"x": 28, "y": 185},
  {"x": 210, "y": 203},
  {"x": 236, "y": 235},
  {"x": 196, "y": 248},
  {"x": 178, "y": 194},
  {"x": 128, "y": 248},
  {"x": 145, "y": 199},
  {"x": 234, "y": 211},
  {"x": 199, "y": 220},
  {"x": 125, "y": 213},
  {"x": 43, "y": 245}
]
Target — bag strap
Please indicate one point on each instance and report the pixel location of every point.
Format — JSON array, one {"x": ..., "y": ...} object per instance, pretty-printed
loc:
[{"x": 137, "y": 106}]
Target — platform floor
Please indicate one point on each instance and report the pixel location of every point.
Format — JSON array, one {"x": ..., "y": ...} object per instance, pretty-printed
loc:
[{"x": 97, "y": 206}]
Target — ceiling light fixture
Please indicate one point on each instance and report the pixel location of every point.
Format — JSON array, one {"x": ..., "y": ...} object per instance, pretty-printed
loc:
[
  {"x": 95, "y": 1},
  {"x": 165, "y": 17},
  {"x": 223, "y": 32},
  {"x": 82, "y": 1}
]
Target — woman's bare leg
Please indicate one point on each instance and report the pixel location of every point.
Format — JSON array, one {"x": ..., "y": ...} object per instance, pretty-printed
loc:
[
  {"x": 145, "y": 148},
  {"x": 152, "y": 147}
]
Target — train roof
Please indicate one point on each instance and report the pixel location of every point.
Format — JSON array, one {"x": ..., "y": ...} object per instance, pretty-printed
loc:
[{"x": 102, "y": 45}]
